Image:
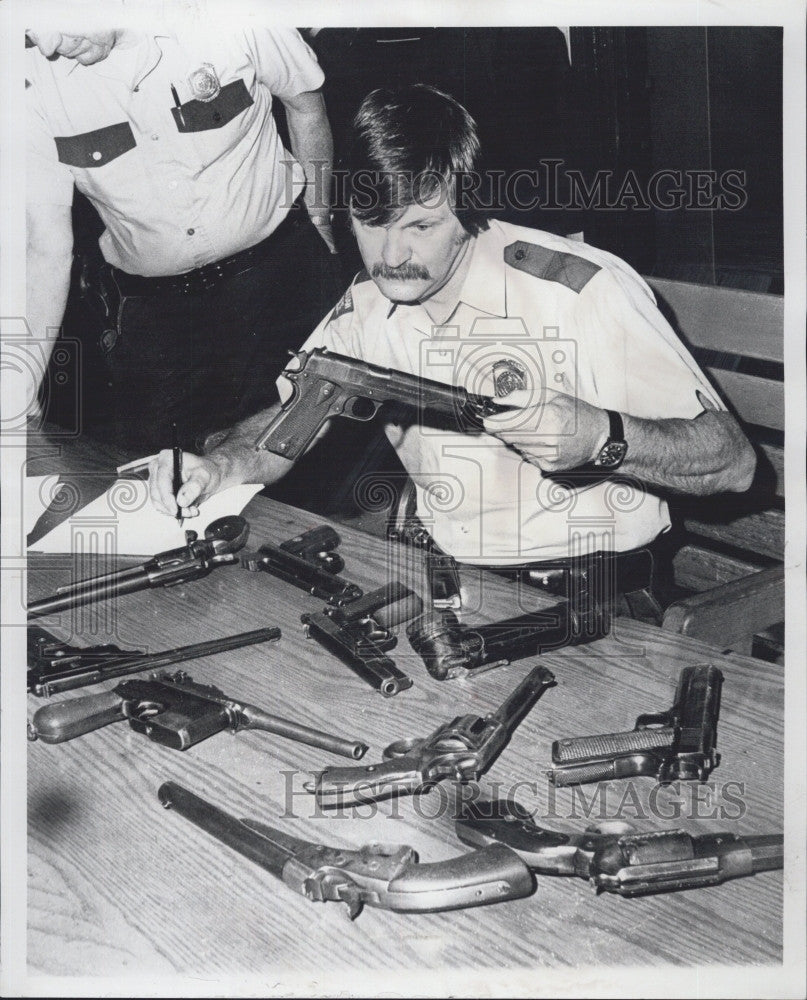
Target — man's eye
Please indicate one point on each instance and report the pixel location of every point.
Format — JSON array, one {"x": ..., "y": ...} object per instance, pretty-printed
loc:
[{"x": 423, "y": 227}]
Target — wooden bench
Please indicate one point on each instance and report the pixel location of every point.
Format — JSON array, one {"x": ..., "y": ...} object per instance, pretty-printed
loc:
[{"x": 729, "y": 549}]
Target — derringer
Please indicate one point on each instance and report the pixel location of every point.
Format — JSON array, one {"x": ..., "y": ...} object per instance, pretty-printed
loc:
[
  {"x": 450, "y": 649},
  {"x": 174, "y": 711},
  {"x": 223, "y": 538},
  {"x": 673, "y": 745},
  {"x": 462, "y": 749},
  {"x": 387, "y": 876},
  {"x": 307, "y": 561},
  {"x": 359, "y": 634},
  {"x": 613, "y": 858},
  {"x": 329, "y": 385},
  {"x": 54, "y": 666}
]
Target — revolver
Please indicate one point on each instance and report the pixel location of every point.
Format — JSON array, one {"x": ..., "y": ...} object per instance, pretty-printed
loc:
[
  {"x": 174, "y": 711},
  {"x": 450, "y": 649},
  {"x": 307, "y": 561},
  {"x": 223, "y": 538},
  {"x": 678, "y": 744},
  {"x": 615, "y": 859},
  {"x": 382, "y": 875},
  {"x": 359, "y": 634},
  {"x": 329, "y": 385},
  {"x": 462, "y": 749}
]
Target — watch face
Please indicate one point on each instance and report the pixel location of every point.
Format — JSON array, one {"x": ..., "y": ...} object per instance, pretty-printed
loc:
[{"x": 612, "y": 454}]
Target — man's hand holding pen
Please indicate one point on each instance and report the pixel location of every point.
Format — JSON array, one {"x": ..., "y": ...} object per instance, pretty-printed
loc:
[{"x": 177, "y": 464}]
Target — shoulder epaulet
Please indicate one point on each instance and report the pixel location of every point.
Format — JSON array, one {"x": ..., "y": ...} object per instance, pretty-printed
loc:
[
  {"x": 345, "y": 304},
  {"x": 552, "y": 265}
]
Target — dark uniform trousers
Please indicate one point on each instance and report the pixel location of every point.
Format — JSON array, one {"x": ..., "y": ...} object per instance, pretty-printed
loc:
[{"x": 203, "y": 350}]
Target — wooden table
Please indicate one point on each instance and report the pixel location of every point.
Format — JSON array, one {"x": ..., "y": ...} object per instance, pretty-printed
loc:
[{"x": 119, "y": 886}]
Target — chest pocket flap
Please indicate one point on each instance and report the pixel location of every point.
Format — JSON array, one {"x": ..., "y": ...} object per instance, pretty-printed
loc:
[
  {"x": 96, "y": 148},
  {"x": 201, "y": 116}
]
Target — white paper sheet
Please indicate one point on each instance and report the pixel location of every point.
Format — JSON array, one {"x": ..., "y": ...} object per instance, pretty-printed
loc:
[
  {"x": 38, "y": 494},
  {"x": 124, "y": 522}
]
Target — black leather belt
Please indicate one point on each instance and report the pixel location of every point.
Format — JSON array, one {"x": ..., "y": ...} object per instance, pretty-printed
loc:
[
  {"x": 203, "y": 279},
  {"x": 613, "y": 572},
  {"x": 623, "y": 580}
]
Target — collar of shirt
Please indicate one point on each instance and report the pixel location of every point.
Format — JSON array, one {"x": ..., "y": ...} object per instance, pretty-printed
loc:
[
  {"x": 483, "y": 288},
  {"x": 130, "y": 63}
]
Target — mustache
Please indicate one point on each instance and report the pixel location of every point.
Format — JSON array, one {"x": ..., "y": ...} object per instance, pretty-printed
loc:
[{"x": 406, "y": 272}]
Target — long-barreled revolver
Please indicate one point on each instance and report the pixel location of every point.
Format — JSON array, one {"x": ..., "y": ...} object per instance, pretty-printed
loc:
[
  {"x": 223, "y": 538},
  {"x": 387, "y": 876},
  {"x": 450, "y": 649},
  {"x": 55, "y": 666},
  {"x": 360, "y": 635},
  {"x": 462, "y": 749},
  {"x": 307, "y": 561},
  {"x": 174, "y": 711},
  {"x": 329, "y": 385},
  {"x": 673, "y": 745},
  {"x": 615, "y": 859}
]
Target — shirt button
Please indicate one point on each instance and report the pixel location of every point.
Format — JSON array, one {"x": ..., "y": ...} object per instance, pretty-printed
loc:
[
  {"x": 172, "y": 185},
  {"x": 520, "y": 253},
  {"x": 155, "y": 137},
  {"x": 191, "y": 232},
  {"x": 96, "y": 155}
]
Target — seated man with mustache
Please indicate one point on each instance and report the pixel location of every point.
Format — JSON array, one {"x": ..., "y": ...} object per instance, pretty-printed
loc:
[{"x": 570, "y": 333}]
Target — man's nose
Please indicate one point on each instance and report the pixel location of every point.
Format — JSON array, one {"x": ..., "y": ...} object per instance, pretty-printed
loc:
[
  {"x": 46, "y": 41},
  {"x": 396, "y": 249}
]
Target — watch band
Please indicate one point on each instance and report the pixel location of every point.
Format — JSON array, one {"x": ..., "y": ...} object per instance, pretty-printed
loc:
[{"x": 616, "y": 428}]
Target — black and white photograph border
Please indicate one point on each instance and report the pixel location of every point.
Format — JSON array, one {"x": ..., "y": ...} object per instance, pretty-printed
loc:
[{"x": 634, "y": 219}]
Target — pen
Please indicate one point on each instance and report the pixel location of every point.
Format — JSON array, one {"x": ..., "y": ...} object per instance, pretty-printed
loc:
[
  {"x": 175, "y": 95},
  {"x": 177, "y": 471}
]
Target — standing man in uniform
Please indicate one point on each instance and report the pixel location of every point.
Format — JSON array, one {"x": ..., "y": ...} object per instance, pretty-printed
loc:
[
  {"x": 571, "y": 334},
  {"x": 217, "y": 238}
]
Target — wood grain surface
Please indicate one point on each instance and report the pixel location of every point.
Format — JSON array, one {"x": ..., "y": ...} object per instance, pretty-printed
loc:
[{"x": 119, "y": 885}]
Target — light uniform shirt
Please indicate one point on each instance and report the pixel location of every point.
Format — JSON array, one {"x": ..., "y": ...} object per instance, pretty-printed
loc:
[
  {"x": 564, "y": 315},
  {"x": 176, "y": 188}
]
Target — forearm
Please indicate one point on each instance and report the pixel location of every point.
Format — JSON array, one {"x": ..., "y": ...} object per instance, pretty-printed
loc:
[
  {"x": 312, "y": 146},
  {"x": 236, "y": 457},
  {"x": 48, "y": 283},
  {"x": 709, "y": 454}
]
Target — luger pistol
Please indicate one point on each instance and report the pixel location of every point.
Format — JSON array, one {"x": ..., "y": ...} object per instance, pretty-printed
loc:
[
  {"x": 679, "y": 744},
  {"x": 223, "y": 538},
  {"x": 387, "y": 876},
  {"x": 450, "y": 649},
  {"x": 174, "y": 711},
  {"x": 615, "y": 859},
  {"x": 329, "y": 385},
  {"x": 462, "y": 750}
]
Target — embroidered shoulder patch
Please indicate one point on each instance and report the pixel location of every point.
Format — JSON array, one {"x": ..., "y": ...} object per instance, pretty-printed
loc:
[
  {"x": 552, "y": 265},
  {"x": 345, "y": 304}
]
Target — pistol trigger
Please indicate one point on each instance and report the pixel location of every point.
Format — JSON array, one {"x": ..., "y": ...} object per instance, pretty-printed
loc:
[{"x": 350, "y": 896}]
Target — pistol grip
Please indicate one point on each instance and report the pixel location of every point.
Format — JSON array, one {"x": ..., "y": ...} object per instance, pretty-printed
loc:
[
  {"x": 612, "y": 755},
  {"x": 344, "y": 786},
  {"x": 62, "y": 721}
]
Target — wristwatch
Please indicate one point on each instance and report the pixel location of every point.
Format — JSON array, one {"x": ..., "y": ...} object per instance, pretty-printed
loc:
[{"x": 613, "y": 452}]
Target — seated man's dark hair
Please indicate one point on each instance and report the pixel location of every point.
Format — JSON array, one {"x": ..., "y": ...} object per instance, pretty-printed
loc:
[{"x": 409, "y": 145}]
